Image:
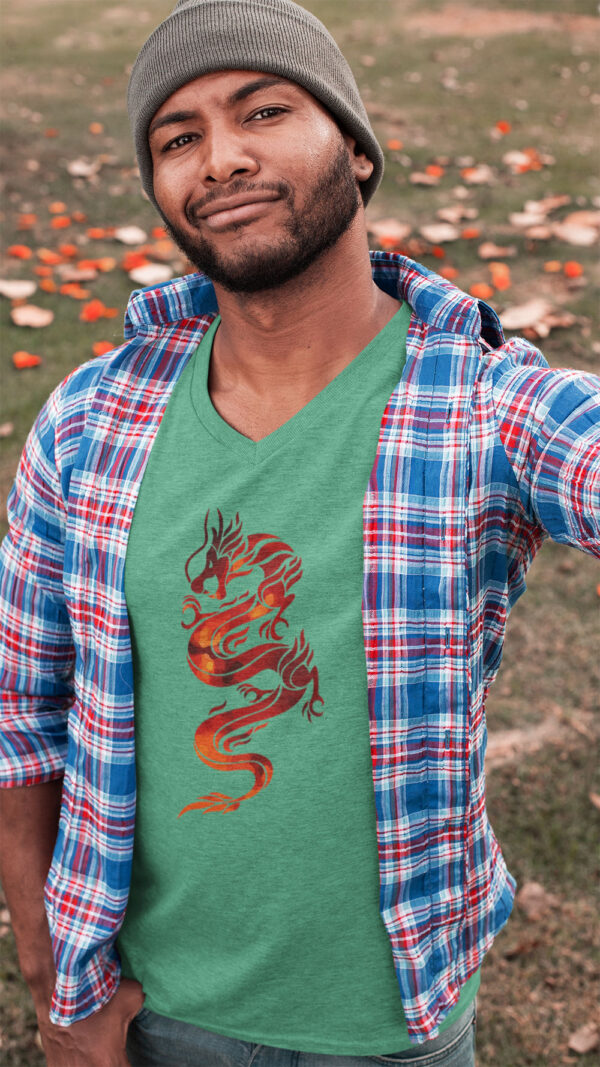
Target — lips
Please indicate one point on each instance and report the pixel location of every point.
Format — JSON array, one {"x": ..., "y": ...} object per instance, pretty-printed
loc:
[{"x": 233, "y": 203}]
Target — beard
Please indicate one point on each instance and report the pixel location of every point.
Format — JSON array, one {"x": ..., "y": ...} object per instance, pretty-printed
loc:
[{"x": 330, "y": 206}]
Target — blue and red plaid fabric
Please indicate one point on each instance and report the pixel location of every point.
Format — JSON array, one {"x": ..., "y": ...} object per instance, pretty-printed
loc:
[{"x": 483, "y": 452}]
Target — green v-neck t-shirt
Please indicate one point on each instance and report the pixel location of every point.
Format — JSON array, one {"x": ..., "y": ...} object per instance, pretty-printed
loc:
[{"x": 254, "y": 902}]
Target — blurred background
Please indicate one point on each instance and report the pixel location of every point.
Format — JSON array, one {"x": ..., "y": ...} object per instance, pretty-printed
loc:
[{"x": 488, "y": 116}]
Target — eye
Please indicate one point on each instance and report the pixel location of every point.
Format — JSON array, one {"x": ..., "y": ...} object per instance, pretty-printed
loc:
[
  {"x": 268, "y": 112},
  {"x": 179, "y": 142}
]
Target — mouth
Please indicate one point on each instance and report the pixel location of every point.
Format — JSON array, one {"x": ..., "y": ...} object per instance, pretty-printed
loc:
[{"x": 224, "y": 213}]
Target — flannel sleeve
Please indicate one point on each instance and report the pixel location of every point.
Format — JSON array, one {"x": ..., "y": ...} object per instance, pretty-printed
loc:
[
  {"x": 549, "y": 422},
  {"x": 36, "y": 647}
]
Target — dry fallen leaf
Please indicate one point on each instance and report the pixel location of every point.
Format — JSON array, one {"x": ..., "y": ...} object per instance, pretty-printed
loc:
[
  {"x": 26, "y": 220},
  {"x": 480, "y": 174},
  {"x": 130, "y": 235},
  {"x": 574, "y": 234},
  {"x": 420, "y": 178},
  {"x": 99, "y": 348},
  {"x": 501, "y": 278},
  {"x": 96, "y": 310},
  {"x": 488, "y": 250},
  {"x": 31, "y": 315},
  {"x": 533, "y": 899},
  {"x": 595, "y": 799},
  {"x": 527, "y": 159},
  {"x": 151, "y": 274},
  {"x": 70, "y": 273},
  {"x": 389, "y": 232},
  {"x": 525, "y": 945},
  {"x": 481, "y": 290},
  {"x": 439, "y": 232},
  {"x": 7, "y": 429},
  {"x": 23, "y": 359},
  {"x": 520, "y": 315},
  {"x": 455, "y": 213},
  {"x": 82, "y": 168},
  {"x": 547, "y": 204},
  {"x": 19, "y": 252},
  {"x": 586, "y": 1039},
  {"x": 17, "y": 289},
  {"x": 523, "y": 219}
]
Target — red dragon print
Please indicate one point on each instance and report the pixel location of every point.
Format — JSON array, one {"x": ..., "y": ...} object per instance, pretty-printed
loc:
[{"x": 220, "y": 655}]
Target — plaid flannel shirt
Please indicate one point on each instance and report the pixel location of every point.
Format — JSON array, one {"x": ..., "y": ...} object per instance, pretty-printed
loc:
[{"x": 483, "y": 452}]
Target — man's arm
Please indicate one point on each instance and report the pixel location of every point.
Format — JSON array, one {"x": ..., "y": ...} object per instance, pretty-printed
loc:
[
  {"x": 36, "y": 692},
  {"x": 549, "y": 423},
  {"x": 28, "y": 828}
]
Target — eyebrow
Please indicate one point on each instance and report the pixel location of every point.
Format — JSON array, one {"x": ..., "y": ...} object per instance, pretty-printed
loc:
[{"x": 172, "y": 118}]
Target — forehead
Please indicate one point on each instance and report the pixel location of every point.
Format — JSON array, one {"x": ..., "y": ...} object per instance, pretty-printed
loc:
[{"x": 224, "y": 89}]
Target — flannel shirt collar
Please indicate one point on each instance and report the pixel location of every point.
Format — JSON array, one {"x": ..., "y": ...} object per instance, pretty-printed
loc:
[{"x": 436, "y": 301}]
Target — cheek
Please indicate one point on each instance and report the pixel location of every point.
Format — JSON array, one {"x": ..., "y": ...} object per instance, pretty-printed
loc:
[{"x": 170, "y": 182}]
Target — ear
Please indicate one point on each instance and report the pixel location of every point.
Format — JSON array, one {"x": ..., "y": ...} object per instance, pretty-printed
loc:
[{"x": 361, "y": 164}]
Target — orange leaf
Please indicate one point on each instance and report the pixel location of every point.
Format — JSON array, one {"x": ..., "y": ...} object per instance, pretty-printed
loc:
[
  {"x": 394, "y": 145},
  {"x": 68, "y": 250},
  {"x": 503, "y": 126},
  {"x": 51, "y": 132},
  {"x": 552, "y": 266},
  {"x": 572, "y": 269},
  {"x": 23, "y": 359},
  {"x": 96, "y": 233},
  {"x": 501, "y": 278},
  {"x": 20, "y": 252},
  {"x": 49, "y": 257},
  {"x": 159, "y": 233},
  {"x": 450, "y": 273},
  {"x": 60, "y": 222},
  {"x": 100, "y": 347},
  {"x": 470, "y": 233},
  {"x": 75, "y": 290},
  {"x": 96, "y": 310},
  {"x": 78, "y": 216},
  {"x": 131, "y": 260},
  {"x": 438, "y": 252},
  {"x": 26, "y": 221},
  {"x": 43, "y": 272},
  {"x": 92, "y": 312},
  {"x": 387, "y": 242},
  {"x": 48, "y": 285},
  {"x": 106, "y": 263},
  {"x": 481, "y": 290},
  {"x": 434, "y": 170},
  {"x": 57, "y": 207},
  {"x": 96, "y": 127}
]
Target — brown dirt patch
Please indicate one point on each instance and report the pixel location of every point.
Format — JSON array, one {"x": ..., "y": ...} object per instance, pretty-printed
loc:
[{"x": 464, "y": 20}]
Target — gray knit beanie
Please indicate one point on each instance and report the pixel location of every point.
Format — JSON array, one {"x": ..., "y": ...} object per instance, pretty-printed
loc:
[{"x": 271, "y": 36}]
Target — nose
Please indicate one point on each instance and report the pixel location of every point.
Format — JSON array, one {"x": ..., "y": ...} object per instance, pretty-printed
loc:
[{"x": 226, "y": 156}]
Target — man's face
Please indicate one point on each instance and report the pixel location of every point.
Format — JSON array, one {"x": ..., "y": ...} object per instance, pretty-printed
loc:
[{"x": 253, "y": 177}]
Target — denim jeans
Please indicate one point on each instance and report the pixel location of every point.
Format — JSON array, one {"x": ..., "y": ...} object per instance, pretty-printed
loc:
[{"x": 155, "y": 1041}]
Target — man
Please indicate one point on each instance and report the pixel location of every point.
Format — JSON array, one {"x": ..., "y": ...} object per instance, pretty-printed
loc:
[{"x": 259, "y": 566}]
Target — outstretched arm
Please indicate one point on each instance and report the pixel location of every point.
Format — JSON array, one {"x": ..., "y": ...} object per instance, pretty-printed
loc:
[{"x": 549, "y": 423}]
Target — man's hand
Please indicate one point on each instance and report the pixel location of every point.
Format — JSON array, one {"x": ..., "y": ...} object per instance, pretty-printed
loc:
[{"x": 99, "y": 1040}]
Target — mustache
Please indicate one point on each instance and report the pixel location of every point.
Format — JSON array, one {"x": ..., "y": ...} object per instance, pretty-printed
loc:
[{"x": 237, "y": 188}]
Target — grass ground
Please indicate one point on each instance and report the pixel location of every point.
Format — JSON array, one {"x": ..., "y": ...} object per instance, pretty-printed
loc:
[{"x": 436, "y": 77}]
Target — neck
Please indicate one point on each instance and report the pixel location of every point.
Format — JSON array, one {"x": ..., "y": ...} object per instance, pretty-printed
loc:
[{"x": 303, "y": 333}]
